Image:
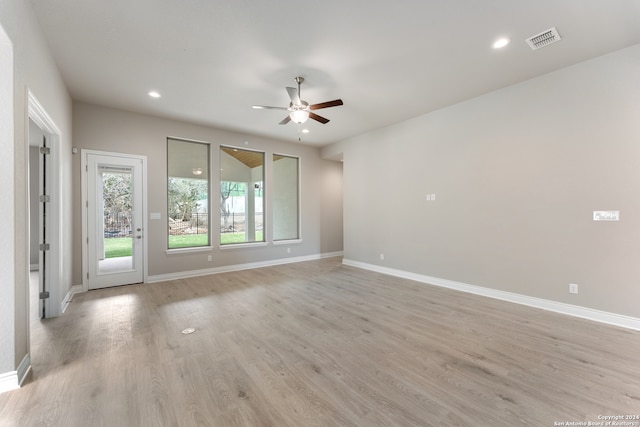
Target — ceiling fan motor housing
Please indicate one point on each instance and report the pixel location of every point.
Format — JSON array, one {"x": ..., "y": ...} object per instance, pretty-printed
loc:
[{"x": 299, "y": 110}]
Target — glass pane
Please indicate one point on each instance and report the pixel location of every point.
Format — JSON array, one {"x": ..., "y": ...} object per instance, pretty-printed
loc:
[
  {"x": 115, "y": 249},
  {"x": 241, "y": 196},
  {"x": 188, "y": 193},
  {"x": 285, "y": 198}
]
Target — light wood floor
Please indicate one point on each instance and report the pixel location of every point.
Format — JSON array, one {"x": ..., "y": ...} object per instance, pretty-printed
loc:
[{"x": 319, "y": 344}]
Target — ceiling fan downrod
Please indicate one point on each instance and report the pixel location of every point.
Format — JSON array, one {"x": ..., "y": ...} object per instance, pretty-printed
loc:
[{"x": 299, "y": 81}]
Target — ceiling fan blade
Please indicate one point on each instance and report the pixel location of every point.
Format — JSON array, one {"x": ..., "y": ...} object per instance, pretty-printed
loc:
[
  {"x": 318, "y": 118},
  {"x": 285, "y": 120},
  {"x": 327, "y": 104},
  {"x": 267, "y": 107},
  {"x": 294, "y": 95}
]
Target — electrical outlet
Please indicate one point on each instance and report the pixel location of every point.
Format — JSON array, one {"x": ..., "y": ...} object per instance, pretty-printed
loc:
[
  {"x": 381, "y": 257},
  {"x": 573, "y": 288},
  {"x": 209, "y": 258},
  {"x": 288, "y": 250}
]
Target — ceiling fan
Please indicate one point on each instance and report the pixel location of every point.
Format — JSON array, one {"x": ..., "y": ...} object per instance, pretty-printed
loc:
[{"x": 300, "y": 111}]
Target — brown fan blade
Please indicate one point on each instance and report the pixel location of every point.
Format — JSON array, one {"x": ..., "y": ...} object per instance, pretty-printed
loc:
[
  {"x": 267, "y": 107},
  {"x": 293, "y": 95},
  {"x": 327, "y": 104},
  {"x": 285, "y": 120},
  {"x": 318, "y": 118}
]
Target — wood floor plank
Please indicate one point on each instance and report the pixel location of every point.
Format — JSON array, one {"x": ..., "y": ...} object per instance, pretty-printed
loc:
[{"x": 318, "y": 344}]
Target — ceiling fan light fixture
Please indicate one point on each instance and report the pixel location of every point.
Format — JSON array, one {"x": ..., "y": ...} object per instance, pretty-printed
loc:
[{"x": 299, "y": 116}]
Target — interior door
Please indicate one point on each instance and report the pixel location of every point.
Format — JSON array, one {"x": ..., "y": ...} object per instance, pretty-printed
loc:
[{"x": 115, "y": 233}]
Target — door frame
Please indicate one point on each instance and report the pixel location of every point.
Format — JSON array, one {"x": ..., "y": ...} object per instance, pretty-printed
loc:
[
  {"x": 53, "y": 272},
  {"x": 85, "y": 211}
]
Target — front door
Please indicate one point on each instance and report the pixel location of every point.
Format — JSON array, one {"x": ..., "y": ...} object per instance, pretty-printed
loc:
[{"x": 114, "y": 231}]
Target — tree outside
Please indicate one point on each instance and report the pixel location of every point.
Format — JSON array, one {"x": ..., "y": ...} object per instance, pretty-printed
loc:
[{"x": 188, "y": 214}]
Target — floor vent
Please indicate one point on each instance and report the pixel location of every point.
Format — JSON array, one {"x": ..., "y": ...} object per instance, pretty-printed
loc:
[{"x": 544, "y": 39}]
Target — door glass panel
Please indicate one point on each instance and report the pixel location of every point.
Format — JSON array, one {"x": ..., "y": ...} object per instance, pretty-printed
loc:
[{"x": 115, "y": 231}]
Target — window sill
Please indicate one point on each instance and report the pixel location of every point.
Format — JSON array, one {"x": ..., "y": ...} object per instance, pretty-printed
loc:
[
  {"x": 189, "y": 250},
  {"x": 286, "y": 242},
  {"x": 243, "y": 245}
]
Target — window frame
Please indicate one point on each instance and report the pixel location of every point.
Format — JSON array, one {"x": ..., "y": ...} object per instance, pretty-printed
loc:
[
  {"x": 297, "y": 239},
  {"x": 265, "y": 222},
  {"x": 201, "y": 248}
]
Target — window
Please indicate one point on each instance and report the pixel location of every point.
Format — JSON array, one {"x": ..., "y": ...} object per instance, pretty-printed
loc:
[
  {"x": 188, "y": 194},
  {"x": 241, "y": 196},
  {"x": 285, "y": 193}
]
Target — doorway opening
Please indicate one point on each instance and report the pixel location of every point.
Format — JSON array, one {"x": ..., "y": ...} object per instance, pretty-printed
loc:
[
  {"x": 114, "y": 208},
  {"x": 38, "y": 283},
  {"x": 44, "y": 208}
]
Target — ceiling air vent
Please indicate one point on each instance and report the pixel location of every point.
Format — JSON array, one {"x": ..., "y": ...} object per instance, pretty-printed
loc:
[{"x": 544, "y": 39}]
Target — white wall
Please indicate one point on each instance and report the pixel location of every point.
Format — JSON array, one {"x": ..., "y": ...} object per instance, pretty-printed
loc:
[
  {"x": 517, "y": 174},
  {"x": 34, "y": 70},
  {"x": 7, "y": 273}
]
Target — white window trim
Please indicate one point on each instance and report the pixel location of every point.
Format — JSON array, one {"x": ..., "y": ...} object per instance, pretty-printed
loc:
[
  {"x": 299, "y": 239},
  {"x": 243, "y": 245},
  {"x": 210, "y": 247},
  {"x": 264, "y": 207},
  {"x": 191, "y": 249}
]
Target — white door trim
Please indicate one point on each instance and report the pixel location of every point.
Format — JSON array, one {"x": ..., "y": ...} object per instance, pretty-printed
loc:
[
  {"x": 54, "y": 269},
  {"x": 85, "y": 211}
]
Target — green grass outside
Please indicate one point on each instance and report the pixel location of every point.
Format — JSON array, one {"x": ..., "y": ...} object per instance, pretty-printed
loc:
[
  {"x": 116, "y": 247},
  {"x": 231, "y": 238},
  {"x": 187, "y": 240},
  {"x": 191, "y": 240}
]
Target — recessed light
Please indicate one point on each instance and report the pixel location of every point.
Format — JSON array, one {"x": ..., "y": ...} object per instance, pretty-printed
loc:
[
  {"x": 154, "y": 94},
  {"x": 500, "y": 43},
  {"x": 305, "y": 130}
]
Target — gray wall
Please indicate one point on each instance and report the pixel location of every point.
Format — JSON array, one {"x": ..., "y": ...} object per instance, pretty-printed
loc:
[
  {"x": 517, "y": 174},
  {"x": 35, "y": 70},
  {"x": 105, "y": 129}
]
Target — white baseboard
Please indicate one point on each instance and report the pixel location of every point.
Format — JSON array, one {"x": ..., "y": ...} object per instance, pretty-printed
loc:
[
  {"x": 237, "y": 267},
  {"x": 23, "y": 368},
  {"x": 558, "y": 307},
  {"x": 9, "y": 381},
  {"x": 13, "y": 379},
  {"x": 67, "y": 298}
]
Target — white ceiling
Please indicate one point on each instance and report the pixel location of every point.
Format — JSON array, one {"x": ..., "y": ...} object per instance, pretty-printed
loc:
[{"x": 388, "y": 60}]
